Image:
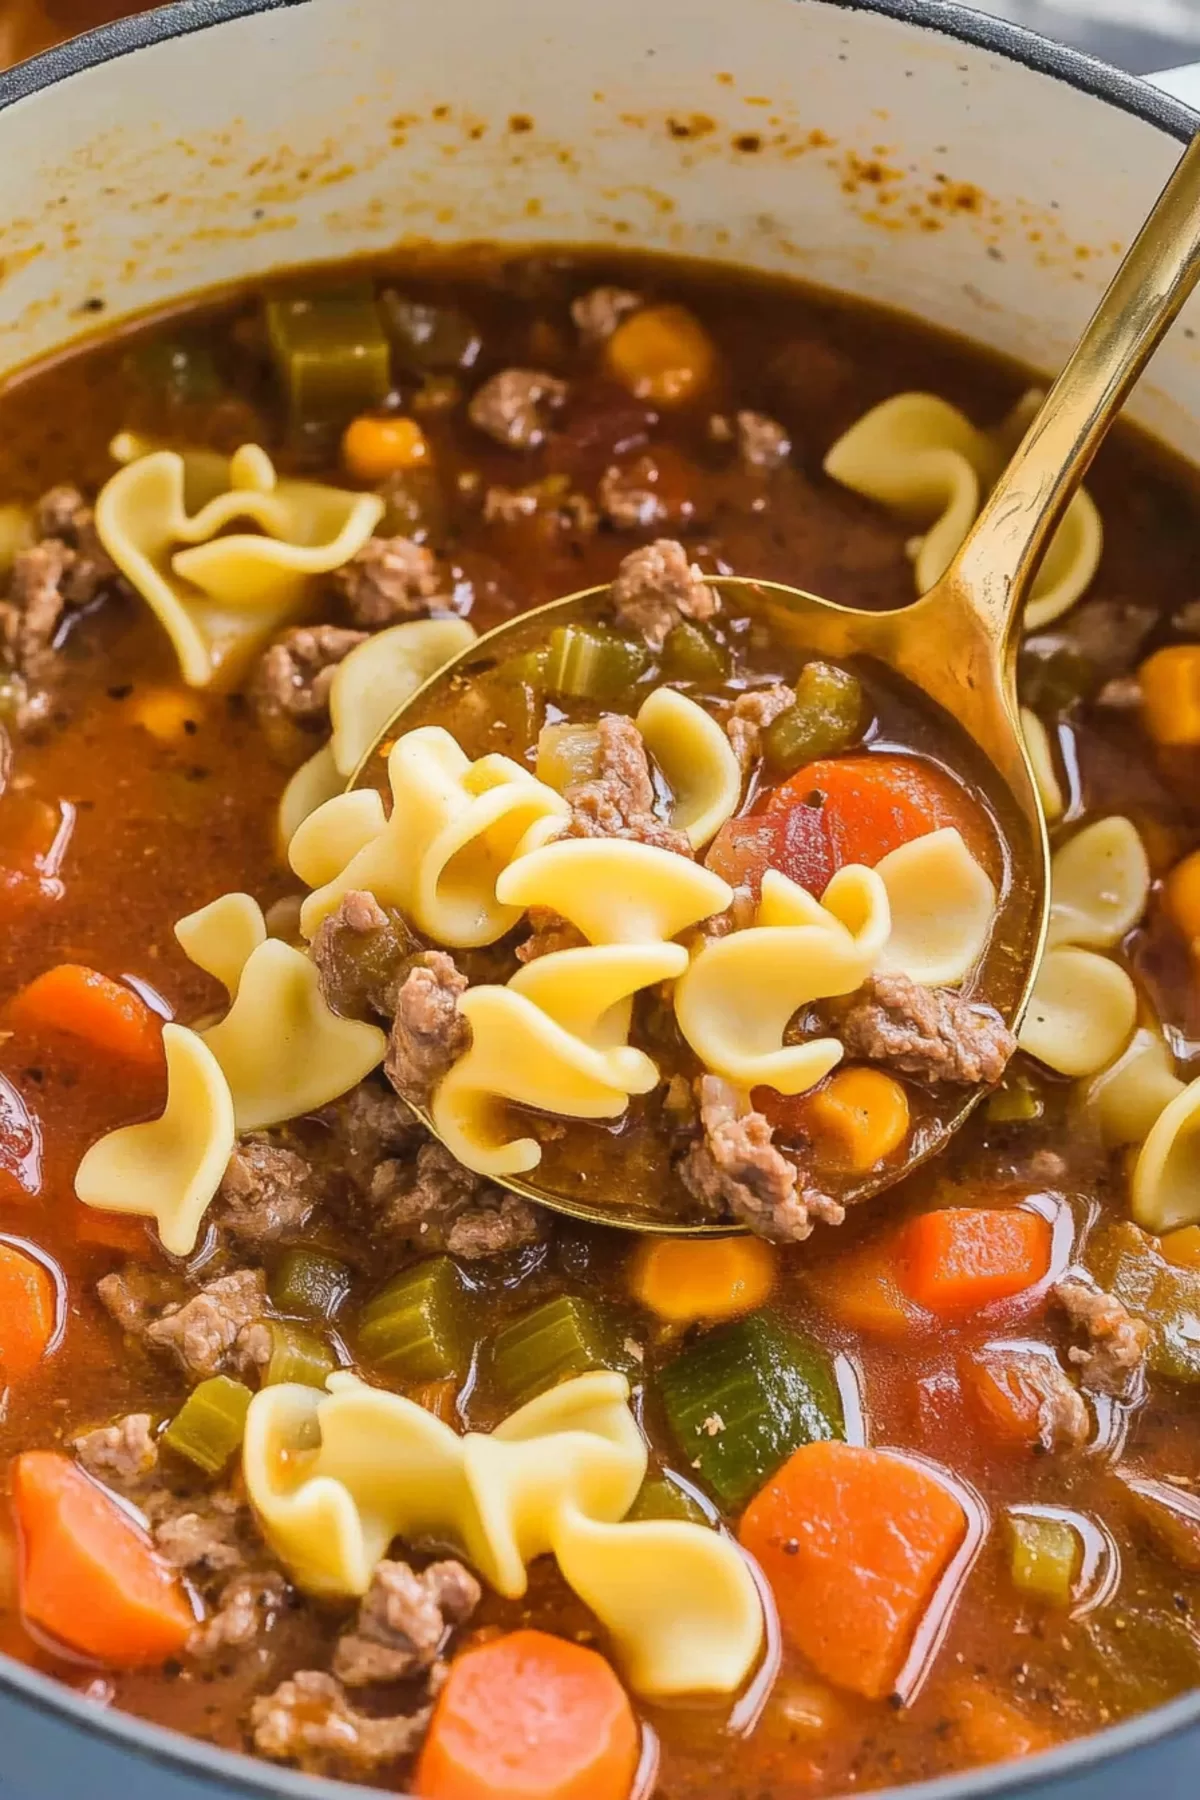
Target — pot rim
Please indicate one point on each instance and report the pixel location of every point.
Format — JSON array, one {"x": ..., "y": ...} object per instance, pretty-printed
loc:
[{"x": 190, "y": 1757}]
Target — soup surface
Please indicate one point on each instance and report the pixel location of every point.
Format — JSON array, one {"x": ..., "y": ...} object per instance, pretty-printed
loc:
[{"x": 951, "y": 1426}]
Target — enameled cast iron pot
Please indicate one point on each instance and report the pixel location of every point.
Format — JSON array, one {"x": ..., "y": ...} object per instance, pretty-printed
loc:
[{"x": 909, "y": 151}]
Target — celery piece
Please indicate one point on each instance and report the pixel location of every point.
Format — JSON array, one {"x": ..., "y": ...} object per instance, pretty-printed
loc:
[
  {"x": 331, "y": 353},
  {"x": 586, "y": 663},
  {"x": 743, "y": 1397},
  {"x": 690, "y": 654},
  {"x": 527, "y": 669},
  {"x": 1123, "y": 1260},
  {"x": 297, "y": 1355},
  {"x": 1043, "y": 1556},
  {"x": 1015, "y": 1102},
  {"x": 210, "y": 1424},
  {"x": 567, "y": 1336},
  {"x": 416, "y": 1327},
  {"x": 660, "y": 1498},
  {"x": 309, "y": 1284},
  {"x": 568, "y": 755},
  {"x": 428, "y": 336},
  {"x": 826, "y": 718}
]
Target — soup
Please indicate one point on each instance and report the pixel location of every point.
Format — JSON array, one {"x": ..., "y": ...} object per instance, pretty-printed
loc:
[{"x": 321, "y": 1443}]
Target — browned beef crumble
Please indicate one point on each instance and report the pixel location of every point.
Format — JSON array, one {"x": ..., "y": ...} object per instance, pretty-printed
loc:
[
  {"x": 751, "y": 715},
  {"x": 121, "y": 1455},
  {"x": 294, "y": 675},
  {"x": 309, "y": 1721},
  {"x": 630, "y": 497},
  {"x": 403, "y": 1621},
  {"x": 619, "y": 800},
  {"x": 656, "y": 587},
  {"x": 512, "y": 406},
  {"x": 763, "y": 443},
  {"x": 1117, "y": 1345},
  {"x": 547, "y": 500},
  {"x": 218, "y": 1328},
  {"x": 360, "y": 951},
  {"x": 738, "y": 1171},
  {"x": 246, "y": 1609},
  {"x": 209, "y": 1534},
  {"x": 438, "y": 1204},
  {"x": 389, "y": 580},
  {"x": 267, "y": 1193},
  {"x": 428, "y": 1032},
  {"x": 132, "y": 1294},
  {"x": 597, "y": 313},
  {"x": 368, "y": 1125},
  {"x": 931, "y": 1033},
  {"x": 550, "y": 932}
]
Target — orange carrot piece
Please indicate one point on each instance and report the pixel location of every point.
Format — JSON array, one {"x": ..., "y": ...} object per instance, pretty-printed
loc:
[
  {"x": 988, "y": 1729},
  {"x": 860, "y": 1290},
  {"x": 1006, "y": 1390},
  {"x": 853, "y": 1543},
  {"x": 89, "y": 1576},
  {"x": 960, "y": 1259},
  {"x": 530, "y": 1717},
  {"x": 684, "y": 1279},
  {"x": 26, "y": 1312},
  {"x": 93, "y": 1007},
  {"x": 873, "y": 804}
]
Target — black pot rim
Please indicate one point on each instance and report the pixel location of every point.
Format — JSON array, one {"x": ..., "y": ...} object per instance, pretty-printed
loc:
[{"x": 224, "y": 1770}]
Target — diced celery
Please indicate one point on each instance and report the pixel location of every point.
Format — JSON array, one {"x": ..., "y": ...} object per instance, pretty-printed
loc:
[
  {"x": 587, "y": 663},
  {"x": 1015, "y": 1102},
  {"x": 568, "y": 755},
  {"x": 331, "y": 352},
  {"x": 826, "y": 718},
  {"x": 1043, "y": 1556},
  {"x": 660, "y": 1498},
  {"x": 310, "y": 1283},
  {"x": 297, "y": 1355},
  {"x": 210, "y": 1424},
  {"x": 568, "y": 1336},
  {"x": 742, "y": 1398},
  {"x": 690, "y": 654},
  {"x": 416, "y": 1327},
  {"x": 429, "y": 336}
]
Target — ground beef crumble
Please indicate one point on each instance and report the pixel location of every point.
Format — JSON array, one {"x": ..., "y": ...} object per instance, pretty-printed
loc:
[
  {"x": 218, "y": 1328},
  {"x": 762, "y": 442},
  {"x": 360, "y": 951},
  {"x": 403, "y": 1621},
  {"x": 512, "y": 406},
  {"x": 131, "y": 1295},
  {"x": 931, "y": 1033},
  {"x": 437, "y": 1204},
  {"x": 737, "y": 1170},
  {"x": 294, "y": 675},
  {"x": 310, "y": 1721},
  {"x": 1115, "y": 1356},
  {"x": 390, "y": 579},
  {"x": 428, "y": 1032},
  {"x": 597, "y": 313},
  {"x": 121, "y": 1455},
  {"x": 368, "y": 1125},
  {"x": 246, "y": 1609},
  {"x": 656, "y": 587},
  {"x": 267, "y": 1193},
  {"x": 208, "y": 1534},
  {"x": 751, "y": 714},
  {"x": 618, "y": 801},
  {"x": 549, "y": 933}
]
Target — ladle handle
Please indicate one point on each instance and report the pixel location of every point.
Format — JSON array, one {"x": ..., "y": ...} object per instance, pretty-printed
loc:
[{"x": 993, "y": 566}]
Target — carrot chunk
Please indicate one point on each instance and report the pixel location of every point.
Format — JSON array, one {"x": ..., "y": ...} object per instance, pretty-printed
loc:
[
  {"x": 859, "y": 1117},
  {"x": 1170, "y": 686},
  {"x": 93, "y": 1007},
  {"x": 662, "y": 354},
  {"x": 683, "y": 1279},
  {"x": 373, "y": 449},
  {"x": 530, "y": 1717},
  {"x": 988, "y": 1729},
  {"x": 26, "y": 1312},
  {"x": 960, "y": 1259},
  {"x": 853, "y": 1543},
  {"x": 860, "y": 1289},
  {"x": 89, "y": 1575},
  {"x": 873, "y": 804}
]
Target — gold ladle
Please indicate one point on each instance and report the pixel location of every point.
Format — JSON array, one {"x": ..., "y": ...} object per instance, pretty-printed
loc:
[{"x": 957, "y": 645}]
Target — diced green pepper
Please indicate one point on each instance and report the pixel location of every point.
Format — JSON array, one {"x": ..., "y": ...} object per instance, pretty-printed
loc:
[
  {"x": 428, "y": 336},
  {"x": 690, "y": 654},
  {"x": 297, "y": 1355},
  {"x": 1044, "y": 1556},
  {"x": 1124, "y": 1261},
  {"x": 661, "y": 1498},
  {"x": 586, "y": 663},
  {"x": 331, "y": 352},
  {"x": 1015, "y": 1102},
  {"x": 568, "y": 1336},
  {"x": 742, "y": 1398},
  {"x": 210, "y": 1424},
  {"x": 416, "y": 1327},
  {"x": 825, "y": 720},
  {"x": 309, "y": 1283}
]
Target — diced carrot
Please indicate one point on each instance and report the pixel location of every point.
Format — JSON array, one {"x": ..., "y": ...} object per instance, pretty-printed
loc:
[
  {"x": 795, "y": 841},
  {"x": 1170, "y": 688},
  {"x": 530, "y": 1717},
  {"x": 373, "y": 449},
  {"x": 989, "y": 1729},
  {"x": 93, "y": 1007},
  {"x": 853, "y": 1542},
  {"x": 662, "y": 354},
  {"x": 1181, "y": 895},
  {"x": 1005, "y": 1389},
  {"x": 860, "y": 1290},
  {"x": 683, "y": 1279},
  {"x": 26, "y": 1312},
  {"x": 89, "y": 1575},
  {"x": 960, "y": 1259},
  {"x": 856, "y": 1119},
  {"x": 874, "y": 803},
  {"x": 1182, "y": 1247}
]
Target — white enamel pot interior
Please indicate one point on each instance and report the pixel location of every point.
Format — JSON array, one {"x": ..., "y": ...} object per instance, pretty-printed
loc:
[{"x": 907, "y": 151}]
